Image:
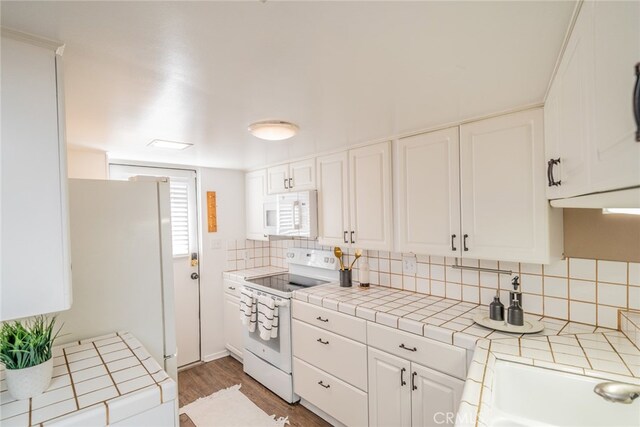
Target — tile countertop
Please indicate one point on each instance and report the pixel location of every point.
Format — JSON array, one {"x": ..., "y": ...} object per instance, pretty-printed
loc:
[
  {"x": 609, "y": 356},
  {"x": 253, "y": 272},
  {"x": 98, "y": 381},
  {"x": 446, "y": 320}
]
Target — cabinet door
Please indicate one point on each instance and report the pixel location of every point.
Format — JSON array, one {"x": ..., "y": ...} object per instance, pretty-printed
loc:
[
  {"x": 303, "y": 175},
  {"x": 36, "y": 267},
  {"x": 278, "y": 179},
  {"x": 370, "y": 194},
  {"x": 233, "y": 333},
  {"x": 389, "y": 390},
  {"x": 505, "y": 214},
  {"x": 570, "y": 113},
  {"x": 428, "y": 190},
  {"x": 333, "y": 199},
  {"x": 615, "y": 154},
  {"x": 434, "y": 398},
  {"x": 255, "y": 185}
]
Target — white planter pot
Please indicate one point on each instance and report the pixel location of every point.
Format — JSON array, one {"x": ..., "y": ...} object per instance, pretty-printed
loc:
[{"x": 29, "y": 382}]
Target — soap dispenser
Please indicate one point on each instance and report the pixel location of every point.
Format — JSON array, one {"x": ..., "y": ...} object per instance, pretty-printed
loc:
[
  {"x": 496, "y": 309},
  {"x": 515, "y": 315},
  {"x": 516, "y": 293}
]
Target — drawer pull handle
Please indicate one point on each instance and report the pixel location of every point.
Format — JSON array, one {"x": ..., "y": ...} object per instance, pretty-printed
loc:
[
  {"x": 232, "y": 288},
  {"x": 321, "y": 319},
  {"x": 413, "y": 381},
  {"x": 402, "y": 346},
  {"x": 322, "y": 342},
  {"x": 402, "y": 381},
  {"x": 324, "y": 385}
]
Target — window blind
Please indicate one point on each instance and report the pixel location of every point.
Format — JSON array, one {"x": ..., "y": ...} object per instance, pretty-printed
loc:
[{"x": 179, "y": 196}]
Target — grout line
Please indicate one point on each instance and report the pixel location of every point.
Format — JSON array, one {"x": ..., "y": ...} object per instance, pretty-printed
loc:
[{"x": 73, "y": 387}]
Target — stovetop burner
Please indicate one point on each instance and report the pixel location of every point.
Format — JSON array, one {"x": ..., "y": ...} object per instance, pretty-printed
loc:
[{"x": 287, "y": 282}]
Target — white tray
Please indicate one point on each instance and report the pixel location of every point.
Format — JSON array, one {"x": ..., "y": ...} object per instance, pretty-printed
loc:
[{"x": 531, "y": 326}]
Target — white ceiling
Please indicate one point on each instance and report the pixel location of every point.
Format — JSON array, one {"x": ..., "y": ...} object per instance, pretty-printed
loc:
[{"x": 345, "y": 72}]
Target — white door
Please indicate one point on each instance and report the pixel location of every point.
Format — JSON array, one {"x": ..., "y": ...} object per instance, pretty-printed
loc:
[
  {"x": 233, "y": 332},
  {"x": 505, "y": 214},
  {"x": 570, "y": 113},
  {"x": 435, "y": 397},
  {"x": 427, "y": 175},
  {"x": 278, "y": 179},
  {"x": 615, "y": 153},
  {"x": 333, "y": 199},
  {"x": 255, "y": 187},
  {"x": 370, "y": 195},
  {"x": 303, "y": 175},
  {"x": 389, "y": 390},
  {"x": 184, "y": 235}
]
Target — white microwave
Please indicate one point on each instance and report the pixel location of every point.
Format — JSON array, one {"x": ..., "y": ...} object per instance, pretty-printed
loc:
[{"x": 292, "y": 214}]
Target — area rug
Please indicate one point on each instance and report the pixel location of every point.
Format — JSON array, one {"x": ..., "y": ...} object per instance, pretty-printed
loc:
[{"x": 229, "y": 408}]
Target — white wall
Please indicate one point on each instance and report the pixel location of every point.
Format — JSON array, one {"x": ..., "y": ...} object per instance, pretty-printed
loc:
[
  {"x": 229, "y": 188},
  {"x": 86, "y": 164}
]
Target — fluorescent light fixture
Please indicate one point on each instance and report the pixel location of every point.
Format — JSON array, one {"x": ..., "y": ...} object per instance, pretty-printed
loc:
[
  {"x": 624, "y": 211},
  {"x": 169, "y": 145},
  {"x": 273, "y": 130}
]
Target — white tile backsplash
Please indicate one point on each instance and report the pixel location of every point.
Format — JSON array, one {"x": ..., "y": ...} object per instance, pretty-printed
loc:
[{"x": 582, "y": 290}]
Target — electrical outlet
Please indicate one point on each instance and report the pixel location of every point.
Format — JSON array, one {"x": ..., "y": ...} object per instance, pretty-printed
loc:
[{"x": 409, "y": 265}]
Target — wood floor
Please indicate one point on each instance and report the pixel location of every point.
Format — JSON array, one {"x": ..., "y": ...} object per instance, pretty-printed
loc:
[{"x": 205, "y": 379}]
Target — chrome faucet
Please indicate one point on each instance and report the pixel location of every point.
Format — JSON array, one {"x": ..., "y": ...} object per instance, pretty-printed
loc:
[{"x": 618, "y": 392}]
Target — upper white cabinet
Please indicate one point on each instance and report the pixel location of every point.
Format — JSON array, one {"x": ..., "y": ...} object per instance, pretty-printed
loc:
[
  {"x": 427, "y": 178},
  {"x": 333, "y": 199},
  {"x": 504, "y": 211},
  {"x": 354, "y": 198},
  {"x": 481, "y": 195},
  {"x": 36, "y": 266},
  {"x": 255, "y": 188},
  {"x": 370, "y": 197},
  {"x": 590, "y": 130},
  {"x": 296, "y": 176}
]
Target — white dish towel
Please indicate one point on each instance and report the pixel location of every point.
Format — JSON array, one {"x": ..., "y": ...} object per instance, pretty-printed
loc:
[
  {"x": 248, "y": 309},
  {"x": 267, "y": 317}
]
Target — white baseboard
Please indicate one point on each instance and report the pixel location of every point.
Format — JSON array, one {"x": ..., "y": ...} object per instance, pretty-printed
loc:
[
  {"x": 214, "y": 356},
  {"x": 319, "y": 412}
]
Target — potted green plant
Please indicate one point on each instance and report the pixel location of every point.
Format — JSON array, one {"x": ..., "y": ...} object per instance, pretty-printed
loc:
[{"x": 25, "y": 352}]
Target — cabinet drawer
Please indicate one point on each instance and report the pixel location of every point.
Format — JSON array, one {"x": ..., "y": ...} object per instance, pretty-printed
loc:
[
  {"x": 345, "y": 403},
  {"x": 339, "y": 356},
  {"x": 341, "y": 324},
  {"x": 435, "y": 355},
  {"x": 232, "y": 288}
]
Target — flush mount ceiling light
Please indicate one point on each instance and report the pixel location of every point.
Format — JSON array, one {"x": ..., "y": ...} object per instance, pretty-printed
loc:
[
  {"x": 170, "y": 145},
  {"x": 273, "y": 130}
]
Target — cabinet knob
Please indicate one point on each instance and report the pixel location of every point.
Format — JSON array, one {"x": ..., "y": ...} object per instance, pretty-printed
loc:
[
  {"x": 453, "y": 243},
  {"x": 324, "y": 385},
  {"x": 464, "y": 242},
  {"x": 550, "y": 164},
  {"x": 636, "y": 102},
  {"x": 321, "y": 319},
  {"x": 413, "y": 381},
  {"x": 402, "y": 346},
  {"x": 322, "y": 342},
  {"x": 402, "y": 381}
]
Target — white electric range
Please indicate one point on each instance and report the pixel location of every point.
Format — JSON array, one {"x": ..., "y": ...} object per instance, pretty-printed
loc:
[{"x": 269, "y": 362}]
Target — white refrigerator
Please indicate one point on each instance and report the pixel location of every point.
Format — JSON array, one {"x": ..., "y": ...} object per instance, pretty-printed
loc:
[{"x": 122, "y": 265}]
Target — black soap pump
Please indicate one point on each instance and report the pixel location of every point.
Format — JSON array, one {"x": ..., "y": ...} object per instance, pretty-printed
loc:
[
  {"x": 496, "y": 309},
  {"x": 515, "y": 315}
]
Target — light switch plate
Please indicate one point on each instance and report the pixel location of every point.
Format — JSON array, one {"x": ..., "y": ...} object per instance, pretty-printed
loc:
[
  {"x": 409, "y": 265},
  {"x": 215, "y": 243}
]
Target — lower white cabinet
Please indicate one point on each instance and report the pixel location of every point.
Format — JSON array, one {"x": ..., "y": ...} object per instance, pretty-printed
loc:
[
  {"x": 233, "y": 332},
  {"x": 403, "y": 393},
  {"x": 342, "y": 401}
]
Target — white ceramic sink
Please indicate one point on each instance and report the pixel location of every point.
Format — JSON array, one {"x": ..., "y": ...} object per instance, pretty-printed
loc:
[{"x": 526, "y": 395}]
